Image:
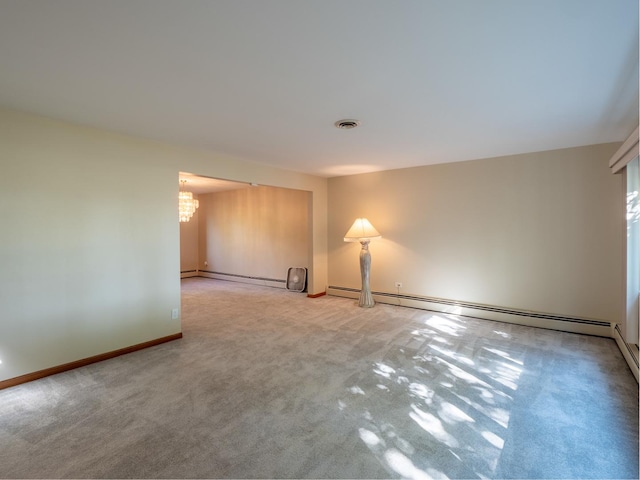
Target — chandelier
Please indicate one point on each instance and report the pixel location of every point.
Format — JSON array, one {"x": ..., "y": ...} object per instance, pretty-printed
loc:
[{"x": 186, "y": 203}]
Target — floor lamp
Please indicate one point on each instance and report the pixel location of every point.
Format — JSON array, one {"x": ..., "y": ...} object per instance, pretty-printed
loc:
[{"x": 362, "y": 231}]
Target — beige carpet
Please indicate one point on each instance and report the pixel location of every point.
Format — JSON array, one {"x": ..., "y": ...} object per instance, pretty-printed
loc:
[{"x": 270, "y": 384}]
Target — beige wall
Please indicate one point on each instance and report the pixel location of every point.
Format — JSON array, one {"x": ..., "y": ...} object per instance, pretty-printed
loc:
[
  {"x": 259, "y": 231},
  {"x": 537, "y": 232},
  {"x": 89, "y": 248}
]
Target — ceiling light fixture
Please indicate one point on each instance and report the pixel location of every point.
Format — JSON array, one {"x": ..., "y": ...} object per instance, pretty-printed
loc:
[
  {"x": 347, "y": 124},
  {"x": 186, "y": 203}
]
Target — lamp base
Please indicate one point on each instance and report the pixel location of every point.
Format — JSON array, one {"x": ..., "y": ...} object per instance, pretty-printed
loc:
[{"x": 366, "y": 299}]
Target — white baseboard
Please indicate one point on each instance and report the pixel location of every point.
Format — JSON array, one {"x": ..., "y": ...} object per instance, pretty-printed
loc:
[
  {"x": 189, "y": 273},
  {"x": 487, "y": 312}
]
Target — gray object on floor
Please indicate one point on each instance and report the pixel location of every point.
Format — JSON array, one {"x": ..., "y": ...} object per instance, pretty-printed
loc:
[{"x": 297, "y": 279}]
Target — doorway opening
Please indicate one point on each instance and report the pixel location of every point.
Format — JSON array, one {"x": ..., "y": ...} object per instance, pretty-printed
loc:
[{"x": 245, "y": 232}]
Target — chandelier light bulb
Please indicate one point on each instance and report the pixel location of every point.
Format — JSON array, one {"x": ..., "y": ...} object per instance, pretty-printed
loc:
[{"x": 187, "y": 205}]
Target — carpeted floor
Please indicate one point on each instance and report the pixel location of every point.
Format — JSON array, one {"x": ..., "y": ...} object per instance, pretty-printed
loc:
[{"x": 270, "y": 384}]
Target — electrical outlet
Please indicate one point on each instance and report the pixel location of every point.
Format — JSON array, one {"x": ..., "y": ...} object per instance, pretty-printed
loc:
[
  {"x": 398, "y": 284},
  {"x": 206, "y": 264},
  {"x": 174, "y": 314}
]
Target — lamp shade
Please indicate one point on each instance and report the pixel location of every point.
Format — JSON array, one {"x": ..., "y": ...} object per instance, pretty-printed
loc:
[{"x": 361, "y": 230}]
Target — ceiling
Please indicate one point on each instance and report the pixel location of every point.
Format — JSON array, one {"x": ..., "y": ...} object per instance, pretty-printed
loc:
[{"x": 431, "y": 81}]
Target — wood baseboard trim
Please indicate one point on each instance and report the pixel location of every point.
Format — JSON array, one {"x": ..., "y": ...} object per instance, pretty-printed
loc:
[
  {"x": 316, "y": 295},
  {"x": 29, "y": 377}
]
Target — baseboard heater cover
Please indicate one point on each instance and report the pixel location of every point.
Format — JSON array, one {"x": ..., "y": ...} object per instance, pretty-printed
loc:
[
  {"x": 629, "y": 352},
  {"x": 489, "y": 312},
  {"x": 29, "y": 377},
  {"x": 269, "y": 282}
]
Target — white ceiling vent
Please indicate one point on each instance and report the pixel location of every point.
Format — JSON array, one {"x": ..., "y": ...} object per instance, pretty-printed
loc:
[{"x": 347, "y": 123}]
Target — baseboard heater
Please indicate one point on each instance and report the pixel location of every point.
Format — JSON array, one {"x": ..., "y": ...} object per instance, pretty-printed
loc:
[
  {"x": 488, "y": 312},
  {"x": 269, "y": 282},
  {"x": 629, "y": 352}
]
